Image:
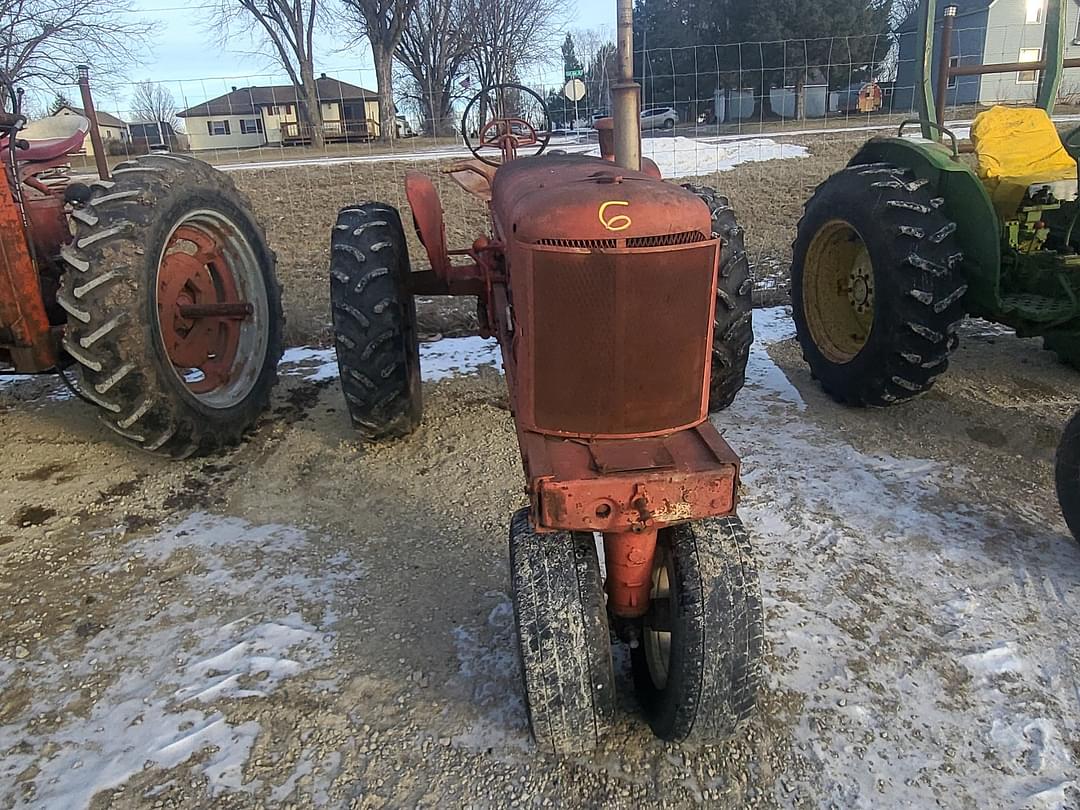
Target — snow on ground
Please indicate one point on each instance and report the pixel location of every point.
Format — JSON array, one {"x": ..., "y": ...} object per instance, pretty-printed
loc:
[
  {"x": 686, "y": 157},
  {"x": 927, "y": 637},
  {"x": 439, "y": 360},
  {"x": 270, "y": 620},
  {"x": 925, "y": 645}
]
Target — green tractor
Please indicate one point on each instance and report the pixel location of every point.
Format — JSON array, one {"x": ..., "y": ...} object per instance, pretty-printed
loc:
[{"x": 894, "y": 250}]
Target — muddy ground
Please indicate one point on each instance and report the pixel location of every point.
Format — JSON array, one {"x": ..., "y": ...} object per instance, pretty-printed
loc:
[
  {"x": 306, "y": 621},
  {"x": 298, "y": 206}
]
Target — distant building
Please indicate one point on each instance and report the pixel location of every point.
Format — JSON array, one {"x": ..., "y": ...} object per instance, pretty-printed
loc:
[
  {"x": 112, "y": 129},
  {"x": 253, "y": 116},
  {"x": 155, "y": 134},
  {"x": 987, "y": 32}
]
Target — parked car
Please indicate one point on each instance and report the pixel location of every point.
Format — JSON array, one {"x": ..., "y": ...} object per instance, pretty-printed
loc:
[
  {"x": 596, "y": 116},
  {"x": 659, "y": 118}
]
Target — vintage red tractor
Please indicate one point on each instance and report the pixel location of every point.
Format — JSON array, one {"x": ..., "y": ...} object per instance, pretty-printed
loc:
[
  {"x": 153, "y": 284},
  {"x": 621, "y": 303}
]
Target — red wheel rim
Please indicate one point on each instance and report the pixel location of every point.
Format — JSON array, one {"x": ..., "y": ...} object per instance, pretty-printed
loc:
[{"x": 200, "y": 309}]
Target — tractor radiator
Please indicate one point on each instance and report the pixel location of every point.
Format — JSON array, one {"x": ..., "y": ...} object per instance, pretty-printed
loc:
[{"x": 617, "y": 340}]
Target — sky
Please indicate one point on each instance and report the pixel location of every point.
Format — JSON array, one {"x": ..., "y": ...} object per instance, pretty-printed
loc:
[{"x": 188, "y": 58}]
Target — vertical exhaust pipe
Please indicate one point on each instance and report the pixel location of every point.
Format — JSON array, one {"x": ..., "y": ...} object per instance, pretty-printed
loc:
[
  {"x": 627, "y": 94},
  {"x": 100, "y": 158}
]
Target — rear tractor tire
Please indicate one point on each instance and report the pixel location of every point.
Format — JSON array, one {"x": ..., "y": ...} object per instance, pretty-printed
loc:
[
  {"x": 563, "y": 640},
  {"x": 733, "y": 329},
  {"x": 374, "y": 318},
  {"x": 876, "y": 292},
  {"x": 697, "y": 668},
  {"x": 1067, "y": 475},
  {"x": 174, "y": 317}
]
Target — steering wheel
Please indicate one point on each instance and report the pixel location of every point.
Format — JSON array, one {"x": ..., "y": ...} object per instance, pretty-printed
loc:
[{"x": 506, "y": 118}]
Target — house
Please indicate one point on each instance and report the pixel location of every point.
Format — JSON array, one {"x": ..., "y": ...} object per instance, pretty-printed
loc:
[
  {"x": 254, "y": 116},
  {"x": 987, "y": 32},
  {"x": 112, "y": 129}
]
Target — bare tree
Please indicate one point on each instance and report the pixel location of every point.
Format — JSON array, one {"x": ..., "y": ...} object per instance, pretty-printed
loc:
[
  {"x": 382, "y": 23},
  {"x": 155, "y": 102},
  {"x": 286, "y": 28},
  {"x": 41, "y": 41},
  {"x": 434, "y": 46},
  {"x": 511, "y": 34}
]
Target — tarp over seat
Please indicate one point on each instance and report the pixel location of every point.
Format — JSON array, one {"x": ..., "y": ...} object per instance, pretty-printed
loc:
[{"x": 1019, "y": 149}]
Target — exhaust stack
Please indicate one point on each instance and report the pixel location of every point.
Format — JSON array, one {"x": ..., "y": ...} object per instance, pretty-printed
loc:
[{"x": 627, "y": 94}]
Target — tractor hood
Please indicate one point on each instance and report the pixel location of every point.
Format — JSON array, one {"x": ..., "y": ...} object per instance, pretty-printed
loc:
[{"x": 580, "y": 201}]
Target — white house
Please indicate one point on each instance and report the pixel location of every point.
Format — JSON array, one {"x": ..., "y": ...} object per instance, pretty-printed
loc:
[
  {"x": 112, "y": 129},
  {"x": 254, "y": 116}
]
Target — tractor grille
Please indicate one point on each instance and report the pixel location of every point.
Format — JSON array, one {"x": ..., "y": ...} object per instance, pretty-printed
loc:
[
  {"x": 581, "y": 244},
  {"x": 667, "y": 240},
  {"x": 619, "y": 340}
]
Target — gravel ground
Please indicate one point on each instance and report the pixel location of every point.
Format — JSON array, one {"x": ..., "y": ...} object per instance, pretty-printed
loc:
[
  {"x": 298, "y": 206},
  {"x": 310, "y": 622}
]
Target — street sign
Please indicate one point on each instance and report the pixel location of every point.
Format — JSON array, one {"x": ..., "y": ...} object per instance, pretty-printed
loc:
[
  {"x": 574, "y": 73},
  {"x": 574, "y": 90}
]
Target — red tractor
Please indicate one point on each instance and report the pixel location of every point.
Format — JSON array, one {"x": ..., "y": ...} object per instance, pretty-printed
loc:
[
  {"x": 622, "y": 307},
  {"x": 153, "y": 284}
]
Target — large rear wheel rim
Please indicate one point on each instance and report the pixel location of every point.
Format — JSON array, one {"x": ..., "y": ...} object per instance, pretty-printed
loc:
[
  {"x": 212, "y": 308},
  {"x": 838, "y": 291}
]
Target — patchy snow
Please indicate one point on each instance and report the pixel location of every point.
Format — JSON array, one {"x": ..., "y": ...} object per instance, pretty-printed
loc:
[
  {"x": 687, "y": 157},
  {"x": 925, "y": 637},
  {"x": 250, "y": 620},
  {"x": 439, "y": 360}
]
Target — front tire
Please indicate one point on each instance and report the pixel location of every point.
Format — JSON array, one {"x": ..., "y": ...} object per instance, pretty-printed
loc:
[
  {"x": 698, "y": 666},
  {"x": 162, "y": 237},
  {"x": 1067, "y": 475},
  {"x": 562, "y": 630},
  {"x": 733, "y": 328},
  {"x": 876, "y": 292}
]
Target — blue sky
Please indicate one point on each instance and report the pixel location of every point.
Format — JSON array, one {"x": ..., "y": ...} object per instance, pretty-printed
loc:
[{"x": 188, "y": 59}]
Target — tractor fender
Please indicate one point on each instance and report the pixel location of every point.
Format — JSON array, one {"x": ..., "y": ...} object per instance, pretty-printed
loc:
[
  {"x": 427, "y": 214},
  {"x": 965, "y": 202}
]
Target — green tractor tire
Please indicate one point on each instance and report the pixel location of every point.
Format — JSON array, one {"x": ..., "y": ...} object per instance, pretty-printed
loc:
[{"x": 877, "y": 294}]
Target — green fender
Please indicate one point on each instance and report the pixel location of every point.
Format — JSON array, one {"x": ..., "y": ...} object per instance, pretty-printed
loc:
[{"x": 966, "y": 203}]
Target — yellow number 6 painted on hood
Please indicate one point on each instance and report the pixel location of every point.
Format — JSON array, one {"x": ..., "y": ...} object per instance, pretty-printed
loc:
[{"x": 618, "y": 222}]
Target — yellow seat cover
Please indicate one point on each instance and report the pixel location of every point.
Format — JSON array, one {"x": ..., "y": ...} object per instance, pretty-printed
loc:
[{"x": 1018, "y": 147}]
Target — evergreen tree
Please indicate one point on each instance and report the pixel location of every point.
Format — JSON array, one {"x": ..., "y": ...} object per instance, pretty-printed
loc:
[{"x": 58, "y": 103}]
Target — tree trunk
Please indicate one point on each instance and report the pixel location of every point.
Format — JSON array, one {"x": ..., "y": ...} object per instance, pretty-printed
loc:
[
  {"x": 800, "y": 96},
  {"x": 384, "y": 76},
  {"x": 437, "y": 118},
  {"x": 763, "y": 100},
  {"x": 308, "y": 109}
]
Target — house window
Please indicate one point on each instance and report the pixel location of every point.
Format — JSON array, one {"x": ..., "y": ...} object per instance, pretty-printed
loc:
[
  {"x": 217, "y": 127},
  {"x": 953, "y": 62},
  {"x": 251, "y": 126},
  {"x": 1034, "y": 12},
  {"x": 1029, "y": 55}
]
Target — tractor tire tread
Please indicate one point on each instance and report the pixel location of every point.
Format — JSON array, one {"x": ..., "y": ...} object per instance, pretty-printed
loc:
[
  {"x": 733, "y": 329},
  {"x": 374, "y": 318},
  {"x": 718, "y": 641},
  {"x": 915, "y": 253},
  {"x": 563, "y": 639},
  {"x": 110, "y": 264}
]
